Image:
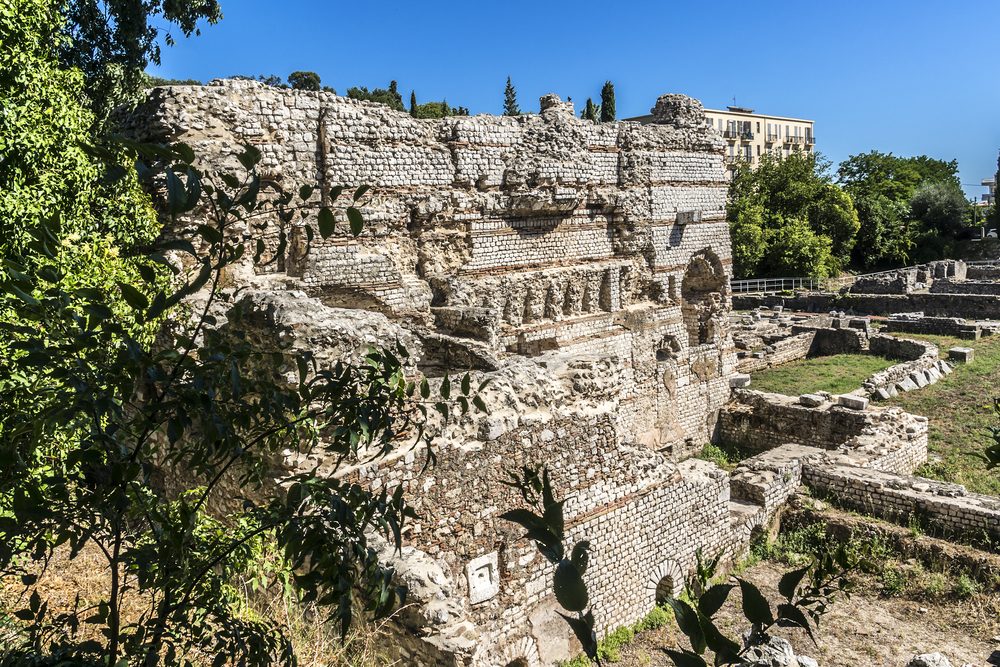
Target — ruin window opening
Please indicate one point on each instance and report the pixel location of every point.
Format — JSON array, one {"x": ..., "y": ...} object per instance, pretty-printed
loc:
[
  {"x": 519, "y": 662},
  {"x": 702, "y": 297}
]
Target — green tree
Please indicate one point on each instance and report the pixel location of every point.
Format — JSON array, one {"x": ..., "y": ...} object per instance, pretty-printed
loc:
[
  {"x": 768, "y": 204},
  {"x": 940, "y": 206},
  {"x": 108, "y": 414},
  {"x": 746, "y": 231},
  {"x": 112, "y": 42},
  {"x": 590, "y": 111},
  {"x": 884, "y": 238},
  {"x": 608, "y": 102},
  {"x": 387, "y": 96},
  {"x": 413, "y": 103},
  {"x": 304, "y": 80},
  {"x": 510, "y": 107},
  {"x": 47, "y": 175},
  {"x": 794, "y": 249},
  {"x": 895, "y": 177}
]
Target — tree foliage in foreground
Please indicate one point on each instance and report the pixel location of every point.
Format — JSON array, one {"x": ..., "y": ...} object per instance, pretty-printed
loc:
[
  {"x": 113, "y": 41},
  {"x": 607, "y": 109},
  {"x": 85, "y": 444}
]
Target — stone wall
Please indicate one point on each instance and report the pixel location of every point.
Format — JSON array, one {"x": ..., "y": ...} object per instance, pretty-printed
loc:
[
  {"x": 971, "y": 306},
  {"x": 939, "y": 505},
  {"x": 882, "y": 438},
  {"x": 943, "y": 326},
  {"x": 583, "y": 268},
  {"x": 778, "y": 352},
  {"x": 965, "y": 287}
]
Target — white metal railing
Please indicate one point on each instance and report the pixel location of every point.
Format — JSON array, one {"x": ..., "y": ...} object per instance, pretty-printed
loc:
[
  {"x": 753, "y": 285},
  {"x": 759, "y": 285}
]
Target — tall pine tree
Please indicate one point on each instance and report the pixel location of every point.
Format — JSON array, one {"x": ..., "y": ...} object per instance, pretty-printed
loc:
[
  {"x": 413, "y": 103},
  {"x": 590, "y": 111},
  {"x": 608, "y": 102},
  {"x": 510, "y": 107}
]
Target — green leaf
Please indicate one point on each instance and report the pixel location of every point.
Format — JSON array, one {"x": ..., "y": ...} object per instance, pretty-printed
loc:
[
  {"x": 581, "y": 555},
  {"x": 478, "y": 401},
  {"x": 446, "y": 388},
  {"x": 249, "y": 157},
  {"x": 360, "y": 192},
  {"x": 689, "y": 624},
  {"x": 133, "y": 297},
  {"x": 326, "y": 222},
  {"x": 713, "y": 599},
  {"x": 176, "y": 193},
  {"x": 184, "y": 152},
  {"x": 569, "y": 588},
  {"x": 466, "y": 384},
  {"x": 305, "y": 192},
  {"x": 335, "y": 192},
  {"x": 356, "y": 220},
  {"x": 791, "y": 616},
  {"x": 755, "y": 606},
  {"x": 685, "y": 658},
  {"x": 425, "y": 388},
  {"x": 790, "y": 582},
  {"x": 209, "y": 233}
]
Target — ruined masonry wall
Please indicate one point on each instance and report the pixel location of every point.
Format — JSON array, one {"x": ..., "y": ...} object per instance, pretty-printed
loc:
[{"x": 897, "y": 497}]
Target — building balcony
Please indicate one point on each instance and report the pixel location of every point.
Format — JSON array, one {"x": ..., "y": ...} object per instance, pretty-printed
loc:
[
  {"x": 794, "y": 140},
  {"x": 771, "y": 138},
  {"x": 744, "y": 135}
]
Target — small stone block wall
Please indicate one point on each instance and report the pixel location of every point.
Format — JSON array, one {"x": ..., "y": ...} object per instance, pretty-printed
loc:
[{"x": 898, "y": 497}]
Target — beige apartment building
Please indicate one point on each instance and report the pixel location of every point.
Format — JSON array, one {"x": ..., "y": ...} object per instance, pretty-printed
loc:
[{"x": 750, "y": 135}]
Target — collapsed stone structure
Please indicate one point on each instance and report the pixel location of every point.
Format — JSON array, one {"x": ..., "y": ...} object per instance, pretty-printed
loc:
[{"x": 585, "y": 270}]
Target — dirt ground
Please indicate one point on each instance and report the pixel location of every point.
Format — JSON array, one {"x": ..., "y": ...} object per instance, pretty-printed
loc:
[{"x": 865, "y": 630}]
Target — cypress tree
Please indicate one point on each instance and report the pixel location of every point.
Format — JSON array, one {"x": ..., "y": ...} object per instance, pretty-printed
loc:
[
  {"x": 510, "y": 107},
  {"x": 608, "y": 102},
  {"x": 413, "y": 103},
  {"x": 590, "y": 111}
]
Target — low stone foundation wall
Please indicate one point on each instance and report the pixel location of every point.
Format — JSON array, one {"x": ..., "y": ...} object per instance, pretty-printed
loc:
[
  {"x": 881, "y": 438},
  {"x": 965, "y": 287},
  {"x": 940, "y": 326},
  {"x": 948, "y": 507},
  {"x": 779, "y": 352},
  {"x": 971, "y": 306},
  {"x": 983, "y": 272}
]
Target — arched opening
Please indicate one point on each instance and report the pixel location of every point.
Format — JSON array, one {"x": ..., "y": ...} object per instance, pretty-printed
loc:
[
  {"x": 703, "y": 297},
  {"x": 664, "y": 590},
  {"x": 518, "y": 662}
]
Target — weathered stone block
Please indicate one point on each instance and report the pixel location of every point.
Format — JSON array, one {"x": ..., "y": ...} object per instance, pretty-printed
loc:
[
  {"x": 852, "y": 402},
  {"x": 811, "y": 400},
  {"x": 739, "y": 381},
  {"x": 963, "y": 355},
  {"x": 483, "y": 575}
]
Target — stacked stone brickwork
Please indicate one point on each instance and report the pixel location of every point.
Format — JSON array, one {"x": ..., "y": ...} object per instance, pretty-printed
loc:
[
  {"x": 583, "y": 268},
  {"x": 940, "y": 505},
  {"x": 883, "y": 439}
]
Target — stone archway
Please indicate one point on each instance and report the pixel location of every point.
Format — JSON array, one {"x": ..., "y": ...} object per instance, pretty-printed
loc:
[
  {"x": 666, "y": 580},
  {"x": 703, "y": 294},
  {"x": 521, "y": 652}
]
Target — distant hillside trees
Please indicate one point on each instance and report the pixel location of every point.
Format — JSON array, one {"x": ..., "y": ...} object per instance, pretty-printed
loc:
[
  {"x": 304, "y": 81},
  {"x": 388, "y": 96},
  {"x": 510, "y": 107},
  {"x": 608, "y": 102}
]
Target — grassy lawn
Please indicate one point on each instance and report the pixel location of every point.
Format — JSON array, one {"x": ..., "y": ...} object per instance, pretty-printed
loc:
[
  {"x": 960, "y": 409},
  {"x": 837, "y": 374}
]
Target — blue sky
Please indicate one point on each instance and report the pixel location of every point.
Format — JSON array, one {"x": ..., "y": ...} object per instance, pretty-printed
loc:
[{"x": 917, "y": 77}]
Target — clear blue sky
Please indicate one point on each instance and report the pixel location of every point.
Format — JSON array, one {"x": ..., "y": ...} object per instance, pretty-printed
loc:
[{"x": 917, "y": 77}]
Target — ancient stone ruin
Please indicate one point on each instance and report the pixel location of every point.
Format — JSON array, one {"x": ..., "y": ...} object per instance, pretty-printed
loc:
[{"x": 585, "y": 268}]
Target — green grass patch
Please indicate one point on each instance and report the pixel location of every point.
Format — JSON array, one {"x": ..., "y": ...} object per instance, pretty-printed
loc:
[
  {"x": 837, "y": 374},
  {"x": 609, "y": 648},
  {"x": 960, "y": 409},
  {"x": 724, "y": 455}
]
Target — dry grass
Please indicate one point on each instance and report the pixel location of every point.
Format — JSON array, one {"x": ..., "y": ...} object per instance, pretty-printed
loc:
[{"x": 316, "y": 642}]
